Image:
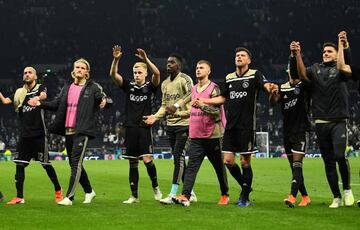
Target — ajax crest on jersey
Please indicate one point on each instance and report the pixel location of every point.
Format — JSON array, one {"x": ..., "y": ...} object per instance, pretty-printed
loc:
[
  {"x": 297, "y": 90},
  {"x": 245, "y": 84},
  {"x": 332, "y": 72}
]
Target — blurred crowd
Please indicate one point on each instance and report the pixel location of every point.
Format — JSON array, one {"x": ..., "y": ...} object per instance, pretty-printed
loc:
[{"x": 50, "y": 35}]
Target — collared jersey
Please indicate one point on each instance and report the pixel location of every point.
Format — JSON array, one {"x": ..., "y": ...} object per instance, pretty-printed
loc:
[
  {"x": 241, "y": 93},
  {"x": 138, "y": 102},
  {"x": 172, "y": 91},
  {"x": 32, "y": 120},
  {"x": 294, "y": 106}
]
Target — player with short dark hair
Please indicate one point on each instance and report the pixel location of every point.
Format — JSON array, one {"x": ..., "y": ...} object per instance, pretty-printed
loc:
[
  {"x": 330, "y": 110},
  {"x": 138, "y": 138},
  {"x": 240, "y": 93},
  {"x": 205, "y": 132},
  {"x": 33, "y": 134},
  {"x": 330, "y": 44},
  {"x": 175, "y": 106},
  {"x": 294, "y": 101}
]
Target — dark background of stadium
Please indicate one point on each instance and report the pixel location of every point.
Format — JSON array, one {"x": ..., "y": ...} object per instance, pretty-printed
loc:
[{"x": 50, "y": 35}]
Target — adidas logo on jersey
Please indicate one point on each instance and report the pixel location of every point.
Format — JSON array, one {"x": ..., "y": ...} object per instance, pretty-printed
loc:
[
  {"x": 285, "y": 96},
  {"x": 343, "y": 135},
  {"x": 230, "y": 86}
]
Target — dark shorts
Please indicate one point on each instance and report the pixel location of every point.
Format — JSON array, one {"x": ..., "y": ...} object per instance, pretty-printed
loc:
[
  {"x": 32, "y": 148},
  {"x": 138, "y": 142},
  {"x": 239, "y": 141},
  {"x": 296, "y": 143},
  {"x": 332, "y": 137}
]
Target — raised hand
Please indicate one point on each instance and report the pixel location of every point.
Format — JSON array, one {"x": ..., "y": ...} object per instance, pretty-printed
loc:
[
  {"x": 295, "y": 47},
  {"x": 343, "y": 39},
  {"x": 140, "y": 53},
  {"x": 117, "y": 52}
]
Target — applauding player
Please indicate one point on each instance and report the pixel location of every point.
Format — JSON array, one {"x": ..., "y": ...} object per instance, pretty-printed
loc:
[{"x": 138, "y": 140}]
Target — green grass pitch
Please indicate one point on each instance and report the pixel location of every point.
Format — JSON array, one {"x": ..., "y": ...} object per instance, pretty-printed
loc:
[{"x": 110, "y": 181}]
